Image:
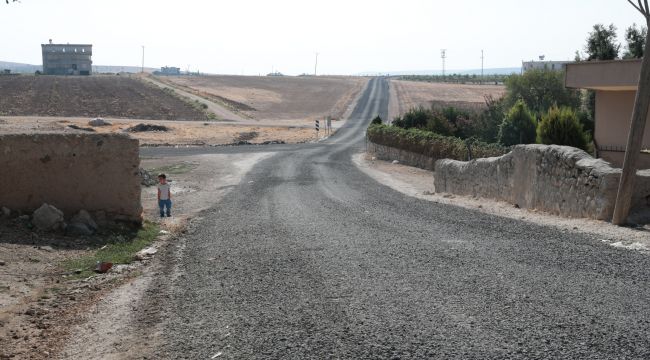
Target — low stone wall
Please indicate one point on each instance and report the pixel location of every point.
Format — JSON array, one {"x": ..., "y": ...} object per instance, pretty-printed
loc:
[
  {"x": 383, "y": 152},
  {"x": 97, "y": 173},
  {"x": 558, "y": 179}
]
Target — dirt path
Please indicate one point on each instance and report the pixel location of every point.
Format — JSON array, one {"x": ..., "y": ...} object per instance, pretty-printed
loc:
[
  {"x": 221, "y": 112},
  {"x": 119, "y": 326},
  {"x": 419, "y": 183}
]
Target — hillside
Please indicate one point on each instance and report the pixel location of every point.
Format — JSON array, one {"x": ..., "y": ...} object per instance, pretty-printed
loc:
[
  {"x": 276, "y": 98},
  {"x": 106, "y": 96}
]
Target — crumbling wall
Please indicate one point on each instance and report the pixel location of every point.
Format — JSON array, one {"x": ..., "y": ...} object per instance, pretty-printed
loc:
[
  {"x": 383, "y": 152},
  {"x": 97, "y": 173},
  {"x": 558, "y": 179}
]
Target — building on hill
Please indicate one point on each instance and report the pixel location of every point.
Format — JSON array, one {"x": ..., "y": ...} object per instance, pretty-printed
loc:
[
  {"x": 67, "y": 59},
  {"x": 542, "y": 64},
  {"x": 168, "y": 70}
]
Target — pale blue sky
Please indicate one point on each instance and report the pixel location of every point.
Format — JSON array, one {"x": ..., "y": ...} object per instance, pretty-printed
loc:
[{"x": 254, "y": 36}]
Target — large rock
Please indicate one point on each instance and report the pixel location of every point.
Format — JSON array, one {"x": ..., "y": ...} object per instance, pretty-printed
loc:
[
  {"x": 83, "y": 218},
  {"x": 78, "y": 229},
  {"x": 48, "y": 218},
  {"x": 98, "y": 122}
]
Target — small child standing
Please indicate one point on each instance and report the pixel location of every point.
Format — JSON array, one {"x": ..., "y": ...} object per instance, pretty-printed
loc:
[{"x": 164, "y": 196}]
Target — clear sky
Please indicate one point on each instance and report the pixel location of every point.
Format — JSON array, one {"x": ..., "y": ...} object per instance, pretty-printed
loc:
[{"x": 256, "y": 36}]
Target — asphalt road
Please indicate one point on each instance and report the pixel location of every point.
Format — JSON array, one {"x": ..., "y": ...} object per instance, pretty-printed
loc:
[{"x": 309, "y": 258}]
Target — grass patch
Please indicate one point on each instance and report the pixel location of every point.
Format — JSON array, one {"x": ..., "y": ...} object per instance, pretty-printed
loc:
[
  {"x": 174, "y": 169},
  {"x": 120, "y": 250}
]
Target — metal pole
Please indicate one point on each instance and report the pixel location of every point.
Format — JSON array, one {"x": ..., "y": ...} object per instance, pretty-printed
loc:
[
  {"x": 482, "y": 58},
  {"x": 316, "y": 66},
  {"x": 143, "y": 59}
]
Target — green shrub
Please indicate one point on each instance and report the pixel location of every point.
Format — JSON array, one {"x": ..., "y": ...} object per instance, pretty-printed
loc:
[
  {"x": 561, "y": 126},
  {"x": 540, "y": 90},
  {"x": 430, "y": 144},
  {"x": 518, "y": 127},
  {"x": 377, "y": 121}
]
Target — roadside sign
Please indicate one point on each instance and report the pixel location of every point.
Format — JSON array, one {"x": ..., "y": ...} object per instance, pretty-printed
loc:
[{"x": 317, "y": 125}]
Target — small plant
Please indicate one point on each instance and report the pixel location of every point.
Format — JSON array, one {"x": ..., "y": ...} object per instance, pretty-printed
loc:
[
  {"x": 561, "y": 126},
  {"x": 518, "y": 127},
  {"x": 377, "y": 121}
]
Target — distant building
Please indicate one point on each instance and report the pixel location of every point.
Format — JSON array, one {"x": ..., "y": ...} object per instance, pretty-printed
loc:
[
  {"x": 168, "y": 70},
  {"x": 67, "y": 59},
  {"x": 543, "y": 65}
]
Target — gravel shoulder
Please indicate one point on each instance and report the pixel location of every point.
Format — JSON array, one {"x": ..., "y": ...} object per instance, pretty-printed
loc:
[{"x": 418, "y": 183}]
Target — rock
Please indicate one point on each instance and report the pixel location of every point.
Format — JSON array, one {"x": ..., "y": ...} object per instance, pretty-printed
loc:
[
  {"x": 6, "y": 212},
  {"x": 2, "y": 263},
  {"x": 73, "y": 126},
  {"x": 395, "y": 161},
  {"x": 83, "y": 217},
  {"x": 47, "y": 218},
  {"x": 147, "y": 179},
  {"x": 23, "y": 217},
  {"x": 146, "y": 253},
  {"x": 147, "y": 127},
  {"x": 46, "y": 248},
  {"x": 78, "y": 229},
  {"x": 98, "y": 122}
]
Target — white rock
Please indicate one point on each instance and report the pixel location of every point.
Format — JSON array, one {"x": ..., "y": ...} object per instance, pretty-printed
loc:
[
  {"x": 5, "y": 211},
  {"x": 47, "y": 217},
  {"x": 98, "y": 122},
  {"x": 146, "y": 253},
  {"x": 395, "y": 161}
]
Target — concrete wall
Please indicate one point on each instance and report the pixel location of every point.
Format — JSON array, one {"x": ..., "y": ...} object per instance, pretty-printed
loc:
[
  {"x": 558, "y": 179},
  {"x": 613, "y": 116},
  {"x": 98, "y": 173},
  {"x": 388, "y": 153}
]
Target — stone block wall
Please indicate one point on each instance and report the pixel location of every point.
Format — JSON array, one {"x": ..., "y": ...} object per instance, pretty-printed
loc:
[
  {"x": 558, "y": 179},
  {"x": 97, "y": 173},
  {"x": 388, "y": 153}
]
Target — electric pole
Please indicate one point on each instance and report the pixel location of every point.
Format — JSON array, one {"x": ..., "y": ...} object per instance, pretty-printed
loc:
[
  {"x": 482, "y": 58},
  {"x": 443, "y": 55},
  {"x": 316, "y": 65},
  {"x": 143, "y": 59}
]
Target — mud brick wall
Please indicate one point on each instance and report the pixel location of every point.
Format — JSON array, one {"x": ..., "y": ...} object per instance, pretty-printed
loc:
[
  {"x": 97, "y": 173},
  {"x": 558, "y": 179}
]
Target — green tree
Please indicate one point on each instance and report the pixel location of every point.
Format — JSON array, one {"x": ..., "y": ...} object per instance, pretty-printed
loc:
[
  {"x": 561, "y": 126},
  {"x": 488, "y": 122},
  {"x": 518, "y": 127},
  {"x": 601, "y": 43},
  {"x": 540, "y": 90},
  {"x": 377, "y": 121},
  {"x": 635, "y": 38}
]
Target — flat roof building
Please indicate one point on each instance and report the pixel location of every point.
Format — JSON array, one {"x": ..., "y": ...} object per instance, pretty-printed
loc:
[
  {"x": 615, "y": 83},
  {"x": 67, "y": 59}
]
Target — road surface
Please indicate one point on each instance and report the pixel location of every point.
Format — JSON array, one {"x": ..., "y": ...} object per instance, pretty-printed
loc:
[{"x": 309, "y": 258}]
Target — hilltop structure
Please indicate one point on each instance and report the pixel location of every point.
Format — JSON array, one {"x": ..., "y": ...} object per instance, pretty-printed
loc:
[
  {"x": 169, "y": 71},
  {"x": 544, "y": 65},
  {"x": 67, "y": 59}
]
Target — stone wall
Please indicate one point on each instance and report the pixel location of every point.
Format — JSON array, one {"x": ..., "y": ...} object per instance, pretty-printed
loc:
[
  {"x": 558, "y": 179},
  {"x": 97, "y": 173},
  {"x": 388, "y": 153}
]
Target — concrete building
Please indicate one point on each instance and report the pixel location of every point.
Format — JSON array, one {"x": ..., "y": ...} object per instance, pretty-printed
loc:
[
  {"x": 67, "y": 59},
  {"x": 168, "y": 70},
  {"x": 543, "y": 65},
  {"x": 615, "y": 83}
]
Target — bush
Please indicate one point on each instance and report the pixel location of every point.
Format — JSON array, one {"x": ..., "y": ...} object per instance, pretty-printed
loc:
[
  {"x": 430, "y": 144},
  {"x": 518, "y": 127},
  {"x": 377, "y": 121},
  {"x": 561, "y": 126},
  {"x": 540, "y": 90}
]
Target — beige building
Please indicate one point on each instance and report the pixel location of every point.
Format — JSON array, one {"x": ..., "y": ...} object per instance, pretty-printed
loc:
[{"x": 615, "y": 83}]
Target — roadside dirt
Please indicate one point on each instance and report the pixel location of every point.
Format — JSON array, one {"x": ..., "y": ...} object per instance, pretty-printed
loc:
[
  {"x": 419, "y": 183},
  {"x": 121, "y": 326},
  {"x": 197, "y": 133},
  {"x": 410, "y": 94}
]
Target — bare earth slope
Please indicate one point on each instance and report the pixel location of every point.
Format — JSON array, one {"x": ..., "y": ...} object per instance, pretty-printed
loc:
[
  {"x": 276, "y": 98},
  {"x": 106, "y": 96}
]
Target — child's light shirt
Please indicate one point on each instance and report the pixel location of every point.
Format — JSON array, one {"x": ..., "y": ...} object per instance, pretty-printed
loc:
[{"x": 164, "y": 191}]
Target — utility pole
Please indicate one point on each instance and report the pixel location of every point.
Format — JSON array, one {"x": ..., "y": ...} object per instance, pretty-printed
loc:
[
  {"x": 637, "y": 127},
  {"x": 482, "y": 58},
  {"x": 142, "y": 59},
  {"x": 316, "y": 65},
  {"x": 443, "y": 55}
]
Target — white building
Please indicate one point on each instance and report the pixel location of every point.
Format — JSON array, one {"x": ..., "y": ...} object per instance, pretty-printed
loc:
[{"x": 543, "y": 65}]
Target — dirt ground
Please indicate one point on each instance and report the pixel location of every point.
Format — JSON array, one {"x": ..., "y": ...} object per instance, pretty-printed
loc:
[
  {"x": 276, "y": 98},
  {"x": 419, "y": 183},
  {"x": 197, "y": 133},
  {"x": 92, "y": 96},
  {"x": 409, "y": 94}
]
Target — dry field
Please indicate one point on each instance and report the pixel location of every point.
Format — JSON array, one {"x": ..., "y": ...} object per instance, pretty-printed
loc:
[
  {"x": 92, "y": 96},
  {"x": 299, "y": 99},
  {"x": 409, "y": 94}
]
